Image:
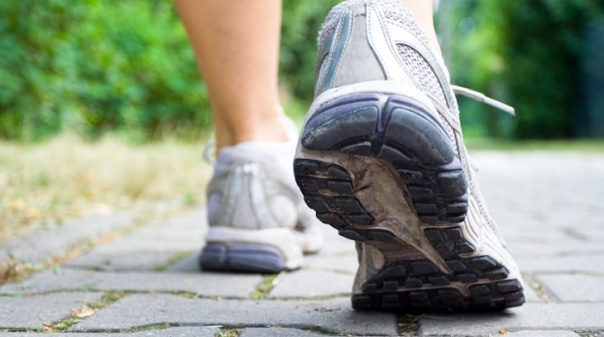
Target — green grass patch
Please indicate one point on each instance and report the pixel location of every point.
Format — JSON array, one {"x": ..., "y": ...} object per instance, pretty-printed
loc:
[
  {"x": 184, "y": 294},
  {"x": 109, "y": 297},
  {"x": 266, "y": 285},
  {"x": 63, "y": 325}
]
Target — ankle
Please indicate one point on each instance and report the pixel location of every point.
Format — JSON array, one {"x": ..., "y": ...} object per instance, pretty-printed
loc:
[{"x": 277, "y": 129}]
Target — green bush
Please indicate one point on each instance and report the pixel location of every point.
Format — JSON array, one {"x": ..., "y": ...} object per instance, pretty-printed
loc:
[
  {"x": 545, "y": 41},
  {"x": 527, "y": 53},
  {"x": 301, "y": 23},
  {"x": 92, "y": 66}
]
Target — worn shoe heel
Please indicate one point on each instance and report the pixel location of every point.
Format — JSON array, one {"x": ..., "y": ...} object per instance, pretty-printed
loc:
[
  {"x": 380, "y": 170},
  {"x": 381, "y": 158},
  {"x": 400, "y": 133}
]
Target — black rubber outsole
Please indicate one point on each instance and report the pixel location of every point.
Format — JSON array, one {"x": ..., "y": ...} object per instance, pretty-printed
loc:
[
  {"x": 402, "y": 135},
  {"x": 419, "y": 286}
]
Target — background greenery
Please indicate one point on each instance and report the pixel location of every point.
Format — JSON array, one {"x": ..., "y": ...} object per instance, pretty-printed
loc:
[
  {"x": 530, "y": 54},
  {"x": 93, "y": 66}
]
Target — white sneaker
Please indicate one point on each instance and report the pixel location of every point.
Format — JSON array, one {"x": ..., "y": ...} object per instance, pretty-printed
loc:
[
  {"x": 381, "y": 158},
  {"x": 258, "y": 220}
]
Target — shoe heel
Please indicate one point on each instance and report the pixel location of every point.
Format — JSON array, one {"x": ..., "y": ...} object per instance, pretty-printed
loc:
[
  {"x": 241, "y": 257},
  {"x": 400, "y": 132}
]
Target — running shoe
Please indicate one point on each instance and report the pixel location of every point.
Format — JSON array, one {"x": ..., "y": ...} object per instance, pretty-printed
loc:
[{"x": 381, "y": 159}]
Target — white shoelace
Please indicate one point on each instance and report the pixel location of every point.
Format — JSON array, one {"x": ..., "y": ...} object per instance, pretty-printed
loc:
[{"x": 480, "y": 97}]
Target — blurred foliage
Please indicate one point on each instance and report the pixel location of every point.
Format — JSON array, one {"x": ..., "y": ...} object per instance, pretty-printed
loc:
[
  {"x": 301, "y": 23},
  {"x": 527, "y": 53},
  {"x": 91, "y": 66}
]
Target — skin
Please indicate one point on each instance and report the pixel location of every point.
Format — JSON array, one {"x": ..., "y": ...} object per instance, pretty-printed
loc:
[{"x": 236, "y": 44}]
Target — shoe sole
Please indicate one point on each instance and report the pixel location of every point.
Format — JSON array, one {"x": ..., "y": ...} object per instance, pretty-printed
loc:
[
  {"x": 246, "y": 258},
  {"x": 381, "y": 170},
  {"x": 265, "y": 251}
]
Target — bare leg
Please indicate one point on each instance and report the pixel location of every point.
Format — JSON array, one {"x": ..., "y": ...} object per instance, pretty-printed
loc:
[{"x": 236, "y": 44}]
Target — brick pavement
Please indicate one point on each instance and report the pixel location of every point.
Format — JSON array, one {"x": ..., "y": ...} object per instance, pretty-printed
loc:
[{"x": 549, "y": 207}]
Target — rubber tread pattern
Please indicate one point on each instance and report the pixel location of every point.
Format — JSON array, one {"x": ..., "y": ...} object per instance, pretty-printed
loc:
[
  {"x": 407, "y": 285},
  {"x": 418, "y": 285},
  {"x": 434, "y": 180},
  {"x": 404, "y": 135},
  {"x": 328, "y": 189}
]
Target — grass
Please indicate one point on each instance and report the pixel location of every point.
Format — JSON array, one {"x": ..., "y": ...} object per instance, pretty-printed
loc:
[
  {"x": 265, "y": 286},
  {"x": 43, "y": 185}
]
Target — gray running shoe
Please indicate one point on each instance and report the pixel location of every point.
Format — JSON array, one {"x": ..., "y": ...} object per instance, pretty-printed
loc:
[
  {"x": 258, "y": 220},
  {"x": 381, "y": 158}
]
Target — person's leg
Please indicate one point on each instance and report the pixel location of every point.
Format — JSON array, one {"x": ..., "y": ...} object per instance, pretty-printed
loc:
[
  {"x": 257, "y": 218},
  {"x": 236, "y": 44}
]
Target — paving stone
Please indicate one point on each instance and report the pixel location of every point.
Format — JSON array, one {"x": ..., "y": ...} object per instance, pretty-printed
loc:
[
  {"x": 346, "y": 263},
  {"x": 531, "y": 316},
  {"x": 136, "y": 261},
  {"x": 551, "y": 229},
  {"x": 313, "y": 283},
  {"x": 32, "y": 312},
  {"x": 334, "y": 242},
  {"x": 178, "y": 234},
  {"x": 333, "y": 316},
  {"x": 541, "y": 333},
  {"x": 575, "y": 287},
  {"x": 141, "y": 242},
  {"x": 530, "y": 295},
  {"x": 280, "y": 332},
  {"x": 204, "y": 284},
  {"x": 189, "y": 264},
  {"x": 570, "y": 264},
  {"x": 540, "y": 181},
  {"x": 332, "y": 235},
  {"x": 526, "y": 230},
  {"x": 530, "y": 250},
  {"x": 538, "y": 234},
  {"x": 39, "y": 246},
  {"x": 593, "y": 234},
  {"x": 336, "y": 246},
  {"x": 170, "y": 332}
]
